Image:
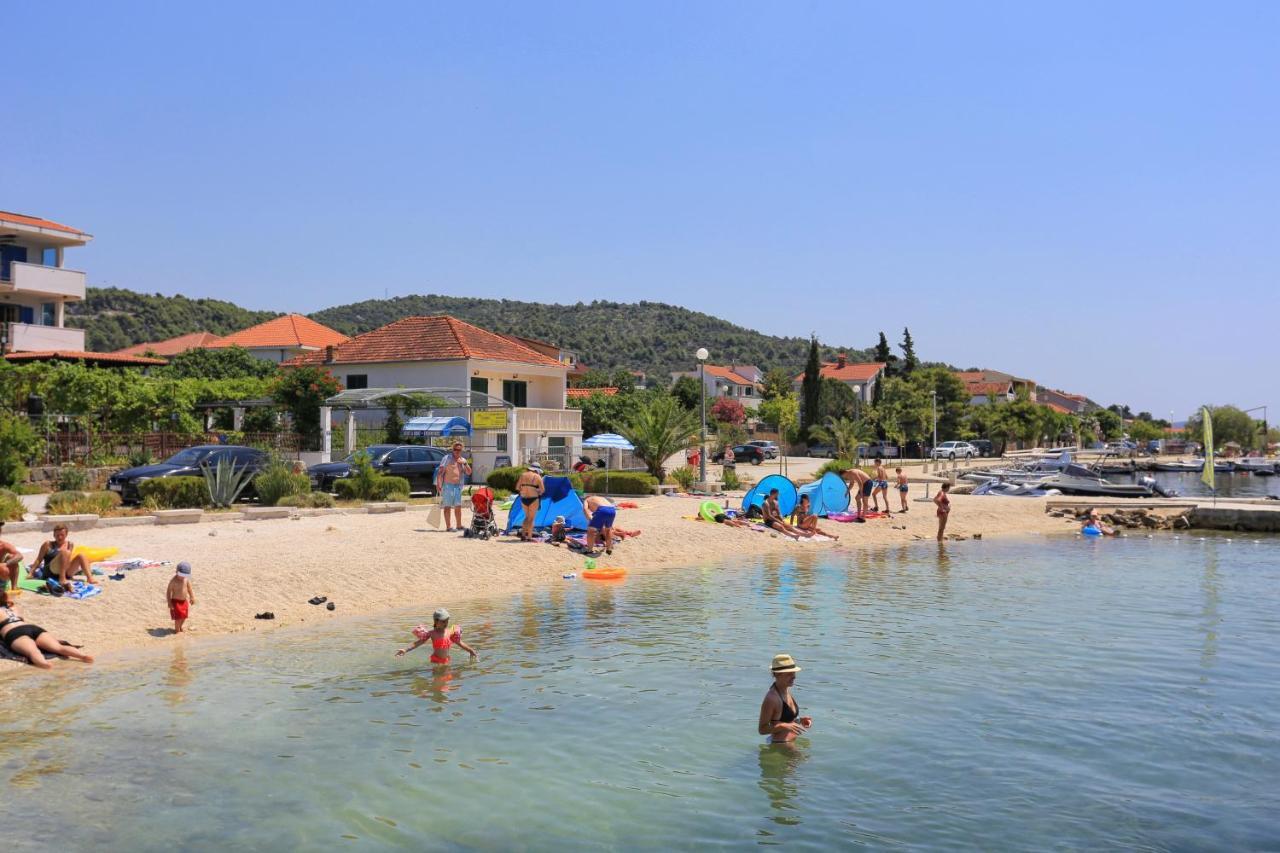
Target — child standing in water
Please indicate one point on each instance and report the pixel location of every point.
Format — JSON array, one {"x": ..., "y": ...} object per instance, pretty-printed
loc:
[
  {"x": 943, "y": 501},
  {"x": 441, "y": 636},
  {"x": 902, "y": 487},
  {"x": 181, "y": 596}
]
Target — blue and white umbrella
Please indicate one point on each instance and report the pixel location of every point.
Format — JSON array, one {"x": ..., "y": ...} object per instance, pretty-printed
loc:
[{"x": 608, "y": 441}]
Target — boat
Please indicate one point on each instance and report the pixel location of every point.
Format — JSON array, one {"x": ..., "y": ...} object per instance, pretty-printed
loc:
[
  {"x": 1220, "y": 466},
  {"x": 1078, "y": 480},
  {"x": 1256, "y": 464},
  {"x": 1030, "y": 472},
  {"x": 1014, "y": 490},
  {"x": 1181, "y": 466}
]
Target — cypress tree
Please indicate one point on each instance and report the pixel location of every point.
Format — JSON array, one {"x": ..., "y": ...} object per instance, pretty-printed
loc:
[
  {"x": 882, "y": 350},
  {"x": 909, "y": 360},
  {"x": 810, "y": 390}
]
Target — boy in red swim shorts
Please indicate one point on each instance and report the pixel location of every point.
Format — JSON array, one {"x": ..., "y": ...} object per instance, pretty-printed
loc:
[{"x": 181, "y": 596}]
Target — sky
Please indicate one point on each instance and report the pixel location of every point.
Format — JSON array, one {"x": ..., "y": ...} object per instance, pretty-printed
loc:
[{"x": 1082, "y": 193}]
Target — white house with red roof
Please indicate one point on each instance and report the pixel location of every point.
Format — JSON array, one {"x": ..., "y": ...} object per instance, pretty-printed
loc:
[
  {"x": 741, "y": 382},
  {"x": 993, "y": 385},
  {"x": 283, "y": 338},
  {"x": 861, "y": 377},
  {"x": 501, "y": 374},
  {"x": 35, "y": 285}
]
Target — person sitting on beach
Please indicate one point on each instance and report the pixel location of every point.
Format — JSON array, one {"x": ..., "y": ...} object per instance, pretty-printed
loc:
[
  {"x": 55, "y": 562},
  {"x": 1093, "y": 519},
  {"x": 558, "y": 533},
  {"x": 780, "y": 719},
  {"x": 10, "y": 558},
  {"x": 881, "y": 486},
  {"x": 806, "y": 521},
  {"x": 530, "y": 489},
  {"x": 583, "y": 464},
  {"x": 20, "y": 637},
  {"x": 943, "y": 501},
  {"x": 859, "y": 485},
  {"x": 601, "y": 514},
  {"x": 440, "y": 637},
  {"x": 773, "y": 517},
  {"x": 902, "y": 487}
]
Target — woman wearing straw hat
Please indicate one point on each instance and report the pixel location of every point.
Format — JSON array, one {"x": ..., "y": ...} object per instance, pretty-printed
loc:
[{"x": 780, "y": 718}]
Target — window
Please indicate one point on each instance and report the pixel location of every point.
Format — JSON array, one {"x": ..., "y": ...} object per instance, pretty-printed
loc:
[
  {"x": 357, "y": 380},
  {"x": 515, "y": 392},
  {"x": 555, "y": 442},
  {"x": 400, "y": 454},
  {"x": 479, "y": 391},
  {"x": 501, "y": 441},
  {"x": 49, "y": 257},
  {"x": 10, "y": 255},
  {"x": 48, "y": 313},
  {"x": 749, "y": 391},
  {"x": 419, "y": 454}
]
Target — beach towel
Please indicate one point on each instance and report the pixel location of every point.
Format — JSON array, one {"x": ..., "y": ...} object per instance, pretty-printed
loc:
[
  {"x": 81, "y": 590},
  {"x": 130, "y": 563}
]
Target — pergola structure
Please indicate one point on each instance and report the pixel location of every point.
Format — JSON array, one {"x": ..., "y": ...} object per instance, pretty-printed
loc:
[{"x": 461, "y": 402}]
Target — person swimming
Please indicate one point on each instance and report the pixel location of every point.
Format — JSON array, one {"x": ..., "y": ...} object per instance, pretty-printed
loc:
[{"x": 441, "y": 638}]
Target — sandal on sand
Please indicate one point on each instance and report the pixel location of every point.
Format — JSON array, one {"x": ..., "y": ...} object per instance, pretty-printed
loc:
[
  {"x": 267, "y": 615},
  {"x": 319, "y": 599}
]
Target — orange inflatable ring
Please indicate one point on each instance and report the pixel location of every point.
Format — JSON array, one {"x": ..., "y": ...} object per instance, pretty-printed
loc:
[{"x": 605, "y": 574}]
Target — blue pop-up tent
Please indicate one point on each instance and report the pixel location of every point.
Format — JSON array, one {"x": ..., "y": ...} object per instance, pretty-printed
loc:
[
  {"x": 788, "y": 497},
  {"x": 559, "y": 499},
  {"x": 826, "y": 495}
]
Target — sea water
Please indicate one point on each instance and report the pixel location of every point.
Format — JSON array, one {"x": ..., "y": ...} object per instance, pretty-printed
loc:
[{"x": 1043, "y": 693}]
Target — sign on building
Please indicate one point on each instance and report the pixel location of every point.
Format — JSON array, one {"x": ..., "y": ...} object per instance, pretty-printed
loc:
[{"x": 489, "y": 419}]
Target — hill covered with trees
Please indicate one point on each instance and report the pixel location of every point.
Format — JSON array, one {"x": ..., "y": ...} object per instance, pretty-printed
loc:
[
  {"x": 648, "y": 336},
  {"x": 114, "y": 318}
]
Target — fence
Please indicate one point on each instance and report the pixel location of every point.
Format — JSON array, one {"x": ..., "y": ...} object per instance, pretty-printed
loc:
[{"x": 102, "y": 447}]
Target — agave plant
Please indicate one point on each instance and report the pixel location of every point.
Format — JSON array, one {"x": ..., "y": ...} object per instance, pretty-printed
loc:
[{"x": 225, "y": 482}]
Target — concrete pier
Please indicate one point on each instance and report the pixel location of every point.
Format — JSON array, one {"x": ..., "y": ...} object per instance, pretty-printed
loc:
[{"x": 1254, "y": 516}]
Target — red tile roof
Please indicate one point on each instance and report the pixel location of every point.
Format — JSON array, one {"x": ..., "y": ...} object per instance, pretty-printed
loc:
[
  {"x": 1060, "y": 409},
  {"x": 850, "y": 372},
  {"x": 291, "y": 330},
  {"x": 79, "y": 355},
  {"x": 726, "y": 374},
  {"x": 172, "y": 346},
  {"x": 37, "y": 222},
  {"x": 436, "y": 338},
  {"x": 986, "y": 389},
  {"x": 587, "y": 392}
]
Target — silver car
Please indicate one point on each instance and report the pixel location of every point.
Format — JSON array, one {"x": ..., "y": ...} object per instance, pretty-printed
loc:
[
  {"x": 954, "y": 449},
  {"x": 770, "y": 448}
]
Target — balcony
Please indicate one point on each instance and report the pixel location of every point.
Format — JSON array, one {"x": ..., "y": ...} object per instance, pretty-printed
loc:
[
  {"x": 24, "y": 337},
  {"x": 549, "y": 420},
  {"x": 44, "y": 281}
]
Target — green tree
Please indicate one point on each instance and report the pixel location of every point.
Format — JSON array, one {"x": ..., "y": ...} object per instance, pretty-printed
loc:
[
  {"x": 688, "y": 392},
  {"x": 835, "y": 400},
  {"x": 595, "y": 378},
  {"x": 777, "y": 383},
  {"x": 845, "y": 433},
  {"x": 301, "y": 391},
  {"x": 19, "y": 444},
  {"x": 904, "y": 412},
  {"x": 811, "y": 390},
  {"x": 1143, "y": 431},
  {"x": 602, "y": 413},
  {"x": 1109, "y": 423},
  {"x": 221, "y": 363},
  {"x": 909, "y": 360},
  {"x": 624, "y": 380},
  {"x": 782, "y": 412},
  {"x": 1229, "y": 424},
  {"x": 658, "y": 429}
]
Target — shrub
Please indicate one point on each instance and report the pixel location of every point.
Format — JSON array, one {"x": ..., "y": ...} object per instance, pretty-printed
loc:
[
  {"x": 174, "y": 492},
  {"x": 731, "y": 481},
  {"x": 307, "y": 500},
  {"x": 72, "y": 479},
  {"x": 138, "y": 458},
  {"x": 686, "y": 475},
  {"x": 835, "y": 466},
  {"x": 277, "y": 481},
  {"x": 621, "y": 482},
  {"x": 504, "y": 478},
  {"x": 11, "y": 508},
  {"x": 18, "y": 443},
  {"x": 389, "y": 489},
  {"x": 82, "y": 503}
]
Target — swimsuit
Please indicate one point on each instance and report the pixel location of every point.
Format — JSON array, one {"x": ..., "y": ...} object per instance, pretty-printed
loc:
[
  {"x": 603, "y": 517},
  {"x": 443, "y": 644},
  {"x": 8, "y": 638},
  {"x": 944, "y": 506},
  {"x": 868, "y": 486},
  {"x": 789, "y": 714}
]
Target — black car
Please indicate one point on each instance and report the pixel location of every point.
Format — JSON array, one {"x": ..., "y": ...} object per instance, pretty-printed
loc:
[
  {"x": 983, "y": 446},
  {"x": 415, "y": 462},
  {"x": 187, "y": 463},
  {"x": 742, "y": 453}
]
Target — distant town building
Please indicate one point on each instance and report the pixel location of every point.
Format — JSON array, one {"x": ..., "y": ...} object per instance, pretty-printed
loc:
[
  {"x": 283, "y": 338},
  {"x": 988, "y": 385},
  {"x": 741, "y": 382},
  {"x": 861, "y": 377}
]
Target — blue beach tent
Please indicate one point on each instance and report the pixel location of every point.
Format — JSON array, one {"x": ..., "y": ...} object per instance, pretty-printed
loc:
[
  {"x": 559, "y": 499},
  {"x": 788, "y": 497},
  {"x": 826, "y": 495}
]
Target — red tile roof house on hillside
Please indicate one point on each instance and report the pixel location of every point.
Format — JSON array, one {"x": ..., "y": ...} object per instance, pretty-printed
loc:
[
  {"x": 283, "y": 338},
  {"x": 444, "y": 352},
  {"x": 987, "y": 385},
  {"x": 741, "y": 382},
  {"x": 172, "y": 346},
  {"x": 861, "y": 377}
]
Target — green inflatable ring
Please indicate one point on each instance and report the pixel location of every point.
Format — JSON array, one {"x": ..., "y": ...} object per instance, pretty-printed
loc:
[{"x": 709, "y": 510}]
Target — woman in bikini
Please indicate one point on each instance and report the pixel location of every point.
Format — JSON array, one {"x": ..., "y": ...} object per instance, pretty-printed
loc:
[
  {"x": 20, "y": 637},
  {"x": 442, "y": 638},
  {"x": 780, "y": 719},
  {"x": 530, "y": 489},
  {"x": 56, "y": 562},
  {"x": 943, "y": 502}
]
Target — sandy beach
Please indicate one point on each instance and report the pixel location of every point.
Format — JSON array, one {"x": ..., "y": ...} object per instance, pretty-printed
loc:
[{"x": 368, "y": 563}]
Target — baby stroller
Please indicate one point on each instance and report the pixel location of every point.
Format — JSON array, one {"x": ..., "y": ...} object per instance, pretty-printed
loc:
[{"x": 483, "y": 524}]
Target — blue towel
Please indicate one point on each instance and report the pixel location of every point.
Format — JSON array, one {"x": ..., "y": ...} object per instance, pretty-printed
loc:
[{"x": 81, "y": 590}]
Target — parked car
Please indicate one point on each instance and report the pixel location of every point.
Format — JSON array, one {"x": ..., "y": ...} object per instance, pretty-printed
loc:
[
  {"x": 983, "y": 446},
  {"x": 822, "y": 451},
  {"x": 770, "y": 448},
  {"x": 955, "y": 449},
  {"x": 415, "y": 462},
  {"x": 742, "y": 453},
  {"x": 879, "y": 449},
  {"x": 187, "y": 463}
]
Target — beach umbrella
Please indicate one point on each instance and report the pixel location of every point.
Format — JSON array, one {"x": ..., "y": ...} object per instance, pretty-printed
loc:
[{"x": 609, "y": 441}]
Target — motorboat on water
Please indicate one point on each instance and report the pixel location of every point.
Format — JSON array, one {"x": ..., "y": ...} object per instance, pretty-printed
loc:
[
  {"x": 1256, "y": 465},
  {"x": 1078, "y": 480},
  {"x": 1014, "y": 490},
  {"x": 1220, "y": 466},
  {"x": 1180, "y": 466},
  {"x": 1028, "y": 473}
]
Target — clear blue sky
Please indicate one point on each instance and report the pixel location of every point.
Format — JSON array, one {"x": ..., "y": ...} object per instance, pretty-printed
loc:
[{"x": 1085, "y": 194}]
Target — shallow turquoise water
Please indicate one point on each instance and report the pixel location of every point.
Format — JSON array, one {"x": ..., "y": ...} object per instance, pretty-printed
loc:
[{"x": 1041, "y": 694}]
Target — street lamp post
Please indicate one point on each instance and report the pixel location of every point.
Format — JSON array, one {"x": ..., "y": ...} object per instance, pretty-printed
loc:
[
  {"x": 702, "y": 446},
  {"x": 934, "y": 395}
]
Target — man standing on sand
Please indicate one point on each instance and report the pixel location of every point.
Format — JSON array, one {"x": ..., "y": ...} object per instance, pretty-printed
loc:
[
  {"x": 10, "y": 556},
  {"x": 450, "y": 474},
  {"x": 530, "y": 489},
  {"x": 601, "y": 513},
  {"x": 859, "y": 485}
]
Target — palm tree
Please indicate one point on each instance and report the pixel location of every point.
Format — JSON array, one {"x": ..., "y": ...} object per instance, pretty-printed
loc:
[
  {"x": 845, "y": 433},
  {"x": 658, "y": 430}
]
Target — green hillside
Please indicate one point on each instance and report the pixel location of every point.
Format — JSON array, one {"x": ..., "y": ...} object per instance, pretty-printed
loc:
[
  {"x": 114, "y": 318},
  {"x": 647, "y": 336}
]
